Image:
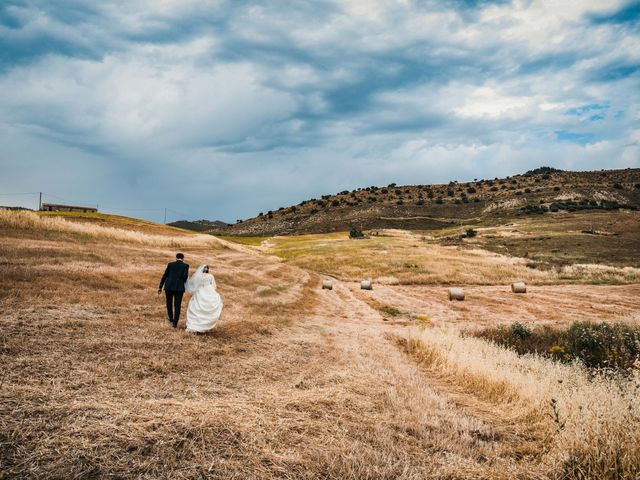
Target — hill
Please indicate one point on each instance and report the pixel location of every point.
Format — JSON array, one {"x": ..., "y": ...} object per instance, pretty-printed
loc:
[
  {"x": 425, "y": 207},
  {"x": 199, "y": 225}
]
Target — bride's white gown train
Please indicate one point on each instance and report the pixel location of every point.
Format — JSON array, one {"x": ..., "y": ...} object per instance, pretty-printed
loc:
[{"x": 205, "y": 305}]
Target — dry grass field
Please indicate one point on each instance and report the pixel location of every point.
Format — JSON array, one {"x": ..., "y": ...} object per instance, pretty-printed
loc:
[
  {"x": 433, "y": 258},
  {"x": 297, "y": 382}
]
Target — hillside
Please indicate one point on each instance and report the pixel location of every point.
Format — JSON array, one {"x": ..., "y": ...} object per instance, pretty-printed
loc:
[
  {"x": 199, "y": 225},
  {"x": 426, "y": 207}
]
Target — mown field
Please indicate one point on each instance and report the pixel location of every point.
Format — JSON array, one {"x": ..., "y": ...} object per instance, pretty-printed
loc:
[
  {"x": 566, "y": 248},
  {"x": 297, "y": 382}
]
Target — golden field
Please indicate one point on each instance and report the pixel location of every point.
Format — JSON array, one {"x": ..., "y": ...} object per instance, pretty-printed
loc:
[{"x": 295, "y": 381}]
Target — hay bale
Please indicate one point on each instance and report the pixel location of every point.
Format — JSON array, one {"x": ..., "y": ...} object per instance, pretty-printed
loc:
[
  {"x": 519, "y": 287},
  {"x": 327, "y": 284},
  {"x": 366, "y": 285},
  {"x": 456, "y": 293}
]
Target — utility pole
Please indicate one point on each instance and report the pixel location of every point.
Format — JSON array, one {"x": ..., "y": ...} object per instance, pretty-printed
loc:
[
  {"x": 165, "y": 216},
  {"x": 40, "y": 202}
]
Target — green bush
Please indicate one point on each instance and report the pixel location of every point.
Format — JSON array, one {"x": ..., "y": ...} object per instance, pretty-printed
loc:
[
  {"x": 596, "y": 345},
  {"x": 604, "y": 345},
  {"x": 356, "y": 233}
]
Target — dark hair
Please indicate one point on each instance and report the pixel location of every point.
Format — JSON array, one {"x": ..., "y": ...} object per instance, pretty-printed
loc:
[
  {"x": 205, "y": 269},
  {"x": 180, "y": 256}
]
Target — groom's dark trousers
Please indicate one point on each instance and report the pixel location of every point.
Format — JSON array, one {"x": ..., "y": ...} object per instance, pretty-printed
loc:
[
  {"x": 174, "y": 302},
  {"x": 175, "y": 275}
]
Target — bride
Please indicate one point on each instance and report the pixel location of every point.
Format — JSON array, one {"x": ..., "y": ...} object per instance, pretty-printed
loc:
[{"x": 205, "y": 305}]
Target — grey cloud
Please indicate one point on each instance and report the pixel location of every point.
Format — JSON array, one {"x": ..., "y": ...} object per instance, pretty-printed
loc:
[{"x": 251, "y": 107}]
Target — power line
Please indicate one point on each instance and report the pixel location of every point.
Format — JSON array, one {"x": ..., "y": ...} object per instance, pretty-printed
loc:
[
  {"x": 103, "y": 207},
  {"x": 15, "y": 194}
]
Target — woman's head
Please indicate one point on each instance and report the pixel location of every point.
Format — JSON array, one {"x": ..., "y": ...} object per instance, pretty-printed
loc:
[{"x": 205, "y": 269}]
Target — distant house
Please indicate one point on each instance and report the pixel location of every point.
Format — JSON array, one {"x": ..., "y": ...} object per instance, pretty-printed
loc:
[{"x": 53, "y": 207}]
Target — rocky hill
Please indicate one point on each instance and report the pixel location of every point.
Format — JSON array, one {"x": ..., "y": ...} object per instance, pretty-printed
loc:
[{"x": 542, "y": 191}]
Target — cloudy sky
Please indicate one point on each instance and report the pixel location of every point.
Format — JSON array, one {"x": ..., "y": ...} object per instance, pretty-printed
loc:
[{"x": 221, "y": 109}]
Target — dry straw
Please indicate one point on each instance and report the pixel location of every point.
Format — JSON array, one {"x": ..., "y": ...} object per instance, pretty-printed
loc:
[
  {"x": 519, "y": 287},
  {"x": 327, "y": 284},
  {"x": 456, "y": 293},
  {"x": 366, "y": 285},
  {"x": 590, "y": 422},
  {"x": 31, "y": 221}
]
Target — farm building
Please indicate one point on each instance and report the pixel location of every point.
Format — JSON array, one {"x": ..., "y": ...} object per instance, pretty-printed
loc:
[{"x": 53, "y": 207}]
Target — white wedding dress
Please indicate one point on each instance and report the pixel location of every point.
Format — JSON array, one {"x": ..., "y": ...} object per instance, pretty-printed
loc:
[{"x": 205, "y": 305}]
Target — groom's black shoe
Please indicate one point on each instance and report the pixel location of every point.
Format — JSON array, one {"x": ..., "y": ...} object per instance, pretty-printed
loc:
[{"x": 174, "y": 324}]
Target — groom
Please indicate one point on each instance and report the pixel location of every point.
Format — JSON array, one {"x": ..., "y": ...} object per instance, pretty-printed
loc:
[{"x": 173, "y": 280}]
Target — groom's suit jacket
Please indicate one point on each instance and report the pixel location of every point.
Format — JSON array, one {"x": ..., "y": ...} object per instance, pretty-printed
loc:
[{"x": 174, "y": 276}]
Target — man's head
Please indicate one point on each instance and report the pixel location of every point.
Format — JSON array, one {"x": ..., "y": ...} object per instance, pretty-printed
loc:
[{"x": 179, "y": 256}]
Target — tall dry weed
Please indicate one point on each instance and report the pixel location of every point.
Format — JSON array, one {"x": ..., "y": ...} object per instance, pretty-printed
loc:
[
  {"x": 23, "y": 220},
  {"x": 590, "y": 423}
]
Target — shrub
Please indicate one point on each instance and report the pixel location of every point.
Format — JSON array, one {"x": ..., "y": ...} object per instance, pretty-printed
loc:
[
  {"x": 450, "y": 193},
  {"x": 556, "y": 189},
  {"x": 493, "y": 189},
  {"x": 596, "y": 345},
  {"x": 470, "y": 233},
  {"x": 531, "y": 209},
  {"x": 356, "y": 233},
  {"x": 335, "y": 203},
  {"x": 600, "y": 345},
  {"x": 519, "y": 330},
  {"x": 544, "y": 170},
  {"x": 439, "y": 201},
  {"x": 471, "y": 190},
  {"x": 420, "y": 202},
  {"x": 400, "y": 202},
  {"x": 618, "y": 186}
]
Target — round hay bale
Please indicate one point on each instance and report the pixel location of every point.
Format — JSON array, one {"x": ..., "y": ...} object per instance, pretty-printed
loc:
[
  {"x": 366, "y": 285},
  {"x": 456, "y": 293},
  {"x": 327, "y": 284},
  {"x": 519, "y": 287}
]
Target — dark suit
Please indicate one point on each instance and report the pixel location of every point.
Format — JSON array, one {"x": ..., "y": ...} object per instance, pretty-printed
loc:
[{"x": 175, "y": 275}]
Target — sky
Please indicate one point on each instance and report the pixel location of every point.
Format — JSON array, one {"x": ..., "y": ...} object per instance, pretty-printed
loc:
[{"x": 222, "y": 109}]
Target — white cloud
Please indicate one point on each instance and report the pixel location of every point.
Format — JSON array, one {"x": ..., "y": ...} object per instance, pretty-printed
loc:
[{"x": 321, "y": 96}]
